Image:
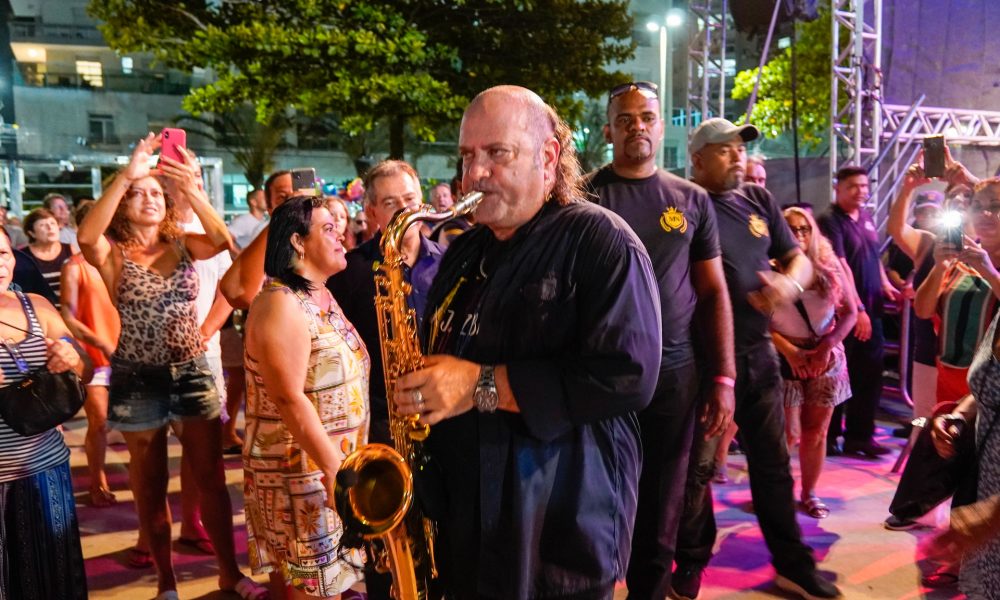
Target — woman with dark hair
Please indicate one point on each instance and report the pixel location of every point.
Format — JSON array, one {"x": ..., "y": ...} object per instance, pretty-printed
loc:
[
  {"x": 159, "y": 374},
  {"x": 44, "y": 246},
  {"x": 307, "y": 407},
  {"x": 41, "y": 557},
  {"x": 809, "y": 335}
]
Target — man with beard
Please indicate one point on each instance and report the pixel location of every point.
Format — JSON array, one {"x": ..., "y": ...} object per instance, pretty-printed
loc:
[
  {"x": 752, "y": 231},
  {"x": 543, "y": 334},
  {"x": 676, "y": 223}
]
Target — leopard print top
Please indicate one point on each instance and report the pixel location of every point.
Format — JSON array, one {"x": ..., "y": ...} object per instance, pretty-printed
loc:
[{"x": 159, "y": 319}]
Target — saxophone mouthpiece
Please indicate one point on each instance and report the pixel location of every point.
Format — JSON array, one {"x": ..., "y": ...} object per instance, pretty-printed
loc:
[
  {"x": 467, "y": 203},
  {"x": 347, "y": 478}
]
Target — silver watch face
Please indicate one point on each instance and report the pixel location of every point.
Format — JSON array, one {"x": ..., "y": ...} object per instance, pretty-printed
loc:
[{"x": 486, "y": 399}]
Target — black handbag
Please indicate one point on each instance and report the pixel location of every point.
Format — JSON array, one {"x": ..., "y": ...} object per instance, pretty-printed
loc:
[{"x": 42, "y": 399}]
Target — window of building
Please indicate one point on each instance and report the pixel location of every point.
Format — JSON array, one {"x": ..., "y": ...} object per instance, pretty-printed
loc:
[
  {"x": 126, "y": 65},
  {"x": 90, "y": 72},
  {"x": 102, "y": 129}
]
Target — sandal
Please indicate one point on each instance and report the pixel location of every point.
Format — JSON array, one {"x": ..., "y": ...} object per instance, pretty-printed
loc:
[
  {"x": 203, "y": 545},
  {"x": 139, "y": 559},
  {"x": 815, "y": 508},
  {"x": 248, "y": 589}
]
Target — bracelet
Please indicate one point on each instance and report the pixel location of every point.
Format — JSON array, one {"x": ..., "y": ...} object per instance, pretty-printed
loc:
[
  {"x": 723, "y": 380},
  {"x": 797, "y": 285},
  {"x": 68, "y": 339}
]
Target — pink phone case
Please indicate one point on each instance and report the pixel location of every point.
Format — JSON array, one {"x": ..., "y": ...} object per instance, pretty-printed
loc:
[{"x": 170, "y": 139}]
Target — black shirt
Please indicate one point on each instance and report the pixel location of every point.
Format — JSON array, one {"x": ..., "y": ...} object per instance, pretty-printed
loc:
[
  {"x": 857, "y": 242},
  {"x": 354, "y": 290},
  {"x": 540, "y": 503},
  {"x": 752, "y": 231},
  {"x": 676, "y": 223}
]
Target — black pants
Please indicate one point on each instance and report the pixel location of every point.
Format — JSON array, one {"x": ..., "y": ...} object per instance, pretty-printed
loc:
[
  {"x": 667, "y": 427},
  {"x": 855, "y": 419},
  {"x": 761, "y": 419}
]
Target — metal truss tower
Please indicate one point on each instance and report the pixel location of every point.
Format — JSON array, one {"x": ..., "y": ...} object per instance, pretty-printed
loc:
[
  {"x": 706, "y": 75},
  {"x": 856, "y": 90}
]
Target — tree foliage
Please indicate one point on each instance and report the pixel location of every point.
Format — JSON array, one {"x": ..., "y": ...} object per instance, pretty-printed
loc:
[
  {"x": 772, "y": 112},
  {"x": 409, "y": 63}
]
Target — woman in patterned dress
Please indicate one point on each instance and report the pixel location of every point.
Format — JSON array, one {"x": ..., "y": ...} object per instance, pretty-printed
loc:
[
  {"x": 159, "y": 374},
  {"x": 812, "y": 349},
  {"x": 307, "y": 408}
]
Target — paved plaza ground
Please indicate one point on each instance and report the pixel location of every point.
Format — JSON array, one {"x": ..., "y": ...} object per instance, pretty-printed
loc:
[{"x": 867, "y": 561}]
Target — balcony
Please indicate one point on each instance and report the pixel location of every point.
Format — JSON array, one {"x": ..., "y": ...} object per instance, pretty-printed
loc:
[
  {"x": 138, "y": 82},
  {"x": 46, "y": 33}
]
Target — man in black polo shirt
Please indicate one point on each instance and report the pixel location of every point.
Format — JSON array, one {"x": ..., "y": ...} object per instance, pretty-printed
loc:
[
  {"x": 389, "y": 186},
  {"x": 752, "y": 231},
  {"x": 676, "y": 223},
  {"x": 854, "y": 238}
]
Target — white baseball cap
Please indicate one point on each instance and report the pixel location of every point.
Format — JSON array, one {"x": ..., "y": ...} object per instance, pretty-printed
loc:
[{"x": 719, "y": 130}]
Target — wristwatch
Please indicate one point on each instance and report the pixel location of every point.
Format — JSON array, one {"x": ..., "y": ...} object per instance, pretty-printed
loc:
[{"x": 486, "y": 397}]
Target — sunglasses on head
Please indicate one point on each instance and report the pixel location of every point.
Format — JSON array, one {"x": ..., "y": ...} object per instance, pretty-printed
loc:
[{"x": 646, "y": 88}]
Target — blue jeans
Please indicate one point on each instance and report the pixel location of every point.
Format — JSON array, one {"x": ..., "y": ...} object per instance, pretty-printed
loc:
[
  {"x": 144, "y": 397},
  {"x": 761, "y": 418}
]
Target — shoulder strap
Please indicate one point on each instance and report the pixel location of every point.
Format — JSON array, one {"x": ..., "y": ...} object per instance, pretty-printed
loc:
[
  {"x": 801, "y": 307},
  {"x": 29, "y": 313}
]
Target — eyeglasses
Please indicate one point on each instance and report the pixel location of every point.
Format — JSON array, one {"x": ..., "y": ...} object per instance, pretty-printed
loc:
[
  {"x": 803, "y": 230},
  {"x": 646, "y": 88}
]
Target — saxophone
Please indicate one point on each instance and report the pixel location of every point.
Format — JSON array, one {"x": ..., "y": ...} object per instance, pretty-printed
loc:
[{"x": 374, "y": 488}]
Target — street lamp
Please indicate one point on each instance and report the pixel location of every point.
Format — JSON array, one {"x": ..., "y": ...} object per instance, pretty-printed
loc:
[{"x": 674, "y": 18}]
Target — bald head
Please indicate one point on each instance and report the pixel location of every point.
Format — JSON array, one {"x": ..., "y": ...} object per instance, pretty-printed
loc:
[{"x": 530, "y": 112}]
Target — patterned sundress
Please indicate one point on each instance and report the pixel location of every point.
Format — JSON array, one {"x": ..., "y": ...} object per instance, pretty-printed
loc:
[
  {"x": 980, "y": 574},
  {"x": 288, "y": 525}
]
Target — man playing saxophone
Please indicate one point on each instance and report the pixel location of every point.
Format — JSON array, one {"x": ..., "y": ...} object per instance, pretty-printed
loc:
[{"x": 542, "y": 331}]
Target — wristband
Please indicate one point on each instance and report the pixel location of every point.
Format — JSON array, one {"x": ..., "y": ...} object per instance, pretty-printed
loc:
[
  {"x": 797, "y": 285},
  {"x": 68, "y": 339},
  {"x": 723, "y": 380}
]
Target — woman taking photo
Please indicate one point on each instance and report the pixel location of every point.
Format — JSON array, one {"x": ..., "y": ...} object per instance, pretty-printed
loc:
[
  {"x": 975, "y": 529},
  {"x": 809, "y": 334},
  {"x": 307, "y": 407},
  {"x": 159, "y": 374},
  {"x": 41, "y": 556}
]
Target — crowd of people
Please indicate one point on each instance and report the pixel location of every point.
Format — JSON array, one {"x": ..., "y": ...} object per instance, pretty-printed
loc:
[{"x": 592, "y": 344}]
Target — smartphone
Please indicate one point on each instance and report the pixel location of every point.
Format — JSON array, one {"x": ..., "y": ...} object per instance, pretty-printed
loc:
[
  {"x": 934, "y": 156},
  {"x": 953, "y": 228},
  {"x": 303, "y": 179},
  {"x": 170, "y": 140}
]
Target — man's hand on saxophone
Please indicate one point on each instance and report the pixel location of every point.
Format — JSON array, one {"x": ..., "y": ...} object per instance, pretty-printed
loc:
[{"x": 448, "y": 386}]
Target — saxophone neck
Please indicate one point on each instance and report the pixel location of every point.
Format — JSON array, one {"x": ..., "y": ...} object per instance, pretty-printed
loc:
[{"x": 392, "y": 237}]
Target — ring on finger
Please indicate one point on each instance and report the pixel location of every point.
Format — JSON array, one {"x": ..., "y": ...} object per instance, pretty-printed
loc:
[{"x": 418, "y": 399}]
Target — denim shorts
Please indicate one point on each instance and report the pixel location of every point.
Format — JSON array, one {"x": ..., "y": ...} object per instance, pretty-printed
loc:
[{"x": 146, "y": 397}]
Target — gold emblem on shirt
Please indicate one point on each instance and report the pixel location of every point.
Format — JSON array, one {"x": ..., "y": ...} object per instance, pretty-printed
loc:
[
  {"x": 673, "y": 219},
  {"x": 758, "y": 226}
]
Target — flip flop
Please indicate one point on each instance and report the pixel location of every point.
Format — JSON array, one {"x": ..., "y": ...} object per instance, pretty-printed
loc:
[
  {"x": 139, "y": 559},
  {"x": 815, "y": 508},
  {"x": 202, "y": 545},
  {"x": 248, "y": 589}
]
